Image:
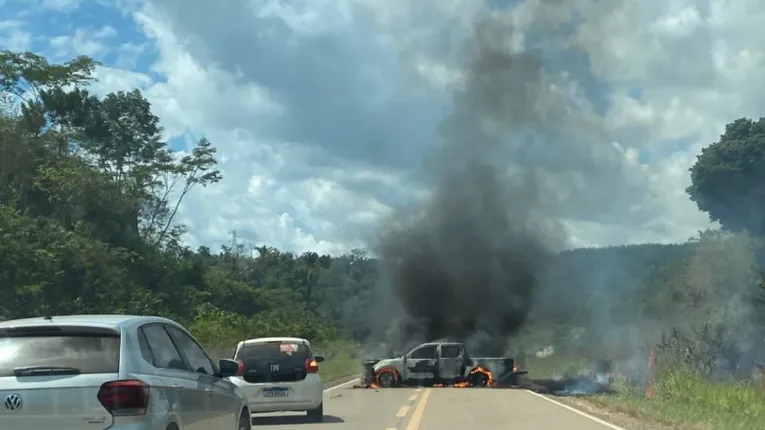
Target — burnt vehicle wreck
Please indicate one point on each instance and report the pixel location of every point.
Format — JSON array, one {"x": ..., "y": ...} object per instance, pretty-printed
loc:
[{"x": 440, "y": 364}]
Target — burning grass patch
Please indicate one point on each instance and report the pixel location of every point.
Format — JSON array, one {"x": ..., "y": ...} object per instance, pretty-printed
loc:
[
  {"x": 565, "y": 377},
  {"x": 579, "y": 385},
  {"x": 685, "y": 400},
  {"x": 681, "y": 399}
]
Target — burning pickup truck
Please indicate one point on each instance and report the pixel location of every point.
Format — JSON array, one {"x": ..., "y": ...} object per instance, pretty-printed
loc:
[{"x": 440, "y": 364}]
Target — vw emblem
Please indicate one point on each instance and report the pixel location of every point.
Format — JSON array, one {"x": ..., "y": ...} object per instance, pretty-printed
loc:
[{"x": 13, "y": 402}]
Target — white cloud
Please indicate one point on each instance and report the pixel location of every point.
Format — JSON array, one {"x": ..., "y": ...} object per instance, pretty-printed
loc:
[
  {"x": 14, "y": 36},
  {"x": 128, "y": 54},
  {"x": 93, "y": 43},
  {"x": 323, "y": 110},
  {"x": 60, "y": 5}
]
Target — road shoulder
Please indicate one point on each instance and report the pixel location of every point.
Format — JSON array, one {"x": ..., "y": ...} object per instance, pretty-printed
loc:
[
  {"x": 616, "y": 418},
  {"x": 339, "y": 381}
]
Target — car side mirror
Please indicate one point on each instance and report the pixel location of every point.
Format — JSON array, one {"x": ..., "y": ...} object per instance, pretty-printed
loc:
[
  {"x": 228, "y": 368},
  {"x": 319, "y": 358}
]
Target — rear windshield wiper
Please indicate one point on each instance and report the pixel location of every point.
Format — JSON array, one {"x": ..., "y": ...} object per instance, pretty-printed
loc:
[{"x": 45, "y": 370}]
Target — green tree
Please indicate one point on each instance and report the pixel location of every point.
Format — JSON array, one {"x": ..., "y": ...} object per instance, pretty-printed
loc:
[
  {"x": 89, "y": 194},
  {"x": 728, "y": 177}
]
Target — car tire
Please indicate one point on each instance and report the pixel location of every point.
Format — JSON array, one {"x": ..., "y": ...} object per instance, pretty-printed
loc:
[
  {"x": 316, "y": 415},
  {"x": 245, "y": 421},
  {"x": 479, "y": 380},
  {"x": 386, "y": 379}
]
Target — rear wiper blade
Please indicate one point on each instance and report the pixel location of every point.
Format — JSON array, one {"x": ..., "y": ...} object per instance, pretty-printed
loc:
[{"x": 45, "y": 370}]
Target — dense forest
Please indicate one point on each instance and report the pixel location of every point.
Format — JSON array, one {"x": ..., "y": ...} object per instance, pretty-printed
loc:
[{"x": 88, "y": 197}]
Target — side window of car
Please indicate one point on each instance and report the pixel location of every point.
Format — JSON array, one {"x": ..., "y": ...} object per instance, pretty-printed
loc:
[
  {"x": 450, "y": 351},
  {"x": 163, "y": 351},
  {"x": 143, "y": 344},
  {"x": 195, "y": 355},
  {"x": 426, "y": 352}
]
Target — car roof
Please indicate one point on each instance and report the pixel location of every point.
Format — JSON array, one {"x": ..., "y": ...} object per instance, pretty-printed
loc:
[
  {"x": 106, "y": 321},
  {"x": 276, "y": 339},
  {"x": 438, "y": 343}
]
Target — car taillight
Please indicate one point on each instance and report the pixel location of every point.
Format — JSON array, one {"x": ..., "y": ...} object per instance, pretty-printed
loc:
[
  {"x": 311, "y": 366},
  {"x": 127, "y": 397},
  {"x": 240, "y": 371}
]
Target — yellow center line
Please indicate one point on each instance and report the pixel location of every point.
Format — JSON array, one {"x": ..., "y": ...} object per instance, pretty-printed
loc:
[{"x": 414, "y": 422}]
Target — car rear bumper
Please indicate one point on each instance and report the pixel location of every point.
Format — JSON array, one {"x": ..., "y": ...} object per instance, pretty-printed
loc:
[
  {"x": 284, "y": 406},
  {"x": 302, "y": 395}
]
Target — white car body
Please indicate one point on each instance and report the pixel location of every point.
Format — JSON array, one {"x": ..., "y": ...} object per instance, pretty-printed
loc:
[
  {"x": 273, "y": 380},
  {"x": 115, "y": 372}
]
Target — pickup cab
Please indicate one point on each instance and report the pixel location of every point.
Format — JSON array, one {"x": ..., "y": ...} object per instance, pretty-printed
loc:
[{"x": 441, "y": 363}]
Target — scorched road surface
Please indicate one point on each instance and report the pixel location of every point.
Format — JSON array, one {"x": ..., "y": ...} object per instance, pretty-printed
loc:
[{"x": 346, "y": 408}]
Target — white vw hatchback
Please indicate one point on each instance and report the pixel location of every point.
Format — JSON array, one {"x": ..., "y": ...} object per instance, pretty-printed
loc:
[
  {"x": 280, "y": 374},
  {"x": 115, "y": 372}
]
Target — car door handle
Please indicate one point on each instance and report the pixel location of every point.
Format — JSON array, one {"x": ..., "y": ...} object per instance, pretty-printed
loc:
[
  {"x": 178, "y": 386},
  {"x": 209, "y": 391}
]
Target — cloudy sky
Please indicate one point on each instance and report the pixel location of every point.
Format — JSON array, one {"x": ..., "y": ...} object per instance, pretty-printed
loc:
[{"x": 322, "y": 110}]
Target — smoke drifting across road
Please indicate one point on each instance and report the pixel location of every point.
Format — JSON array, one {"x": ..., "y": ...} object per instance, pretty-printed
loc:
[{"x": 467, "y": 263}]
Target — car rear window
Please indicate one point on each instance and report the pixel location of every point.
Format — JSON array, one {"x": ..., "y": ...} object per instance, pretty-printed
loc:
[
  {"x": 87, "y": 352},
  {"x": 278, "y": 352}
]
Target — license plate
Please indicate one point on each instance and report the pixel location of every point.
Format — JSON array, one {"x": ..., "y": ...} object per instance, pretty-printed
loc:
[{"x": 275, "y": 392}]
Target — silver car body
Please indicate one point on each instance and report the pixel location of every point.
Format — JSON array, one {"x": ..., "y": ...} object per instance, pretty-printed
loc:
[{"x": 32, "y": 397}]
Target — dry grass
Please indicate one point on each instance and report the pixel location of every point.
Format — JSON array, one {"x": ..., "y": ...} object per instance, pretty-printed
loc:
[
  {"x": 685, "y": 400},
  {"x": 682, "y": 399}
]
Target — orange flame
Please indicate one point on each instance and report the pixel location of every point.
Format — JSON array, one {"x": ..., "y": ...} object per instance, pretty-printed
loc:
[
  {"x": 477, "y": 370},
  {"x": 482, "y": 370},
  {"x": 650, "y": 391}
]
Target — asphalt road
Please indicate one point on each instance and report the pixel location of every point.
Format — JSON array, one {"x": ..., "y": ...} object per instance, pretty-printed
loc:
[{"x": 346, "y": 408}]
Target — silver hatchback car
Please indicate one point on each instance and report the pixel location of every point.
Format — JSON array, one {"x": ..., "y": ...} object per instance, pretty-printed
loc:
[{"x": 113, "y": 372}]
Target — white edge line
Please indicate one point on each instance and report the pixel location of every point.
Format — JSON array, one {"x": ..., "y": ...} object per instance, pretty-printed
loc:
[
  {"x": 577, "y": 411},
  {"x": 349, "y": 383}
]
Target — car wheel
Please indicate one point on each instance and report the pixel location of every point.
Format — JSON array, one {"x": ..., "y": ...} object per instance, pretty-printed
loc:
[
  {"x": 245, "y": 421},
  {"x": 479, "y": 379},
  {"x": 386, "y": 379},
  {"x": 316, "y": 415}
]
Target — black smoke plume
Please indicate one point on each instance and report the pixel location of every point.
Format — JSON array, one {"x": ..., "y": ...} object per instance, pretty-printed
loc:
[{"x": 466, "y": 262}]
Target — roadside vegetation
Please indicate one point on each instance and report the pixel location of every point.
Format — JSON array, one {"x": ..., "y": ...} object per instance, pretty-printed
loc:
[
  {"x": 89, "y": 194},
  {"x": 683, "y": 399},
  {"x": 677, "y": 397},
  {"x": 683, "y": 326}
]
